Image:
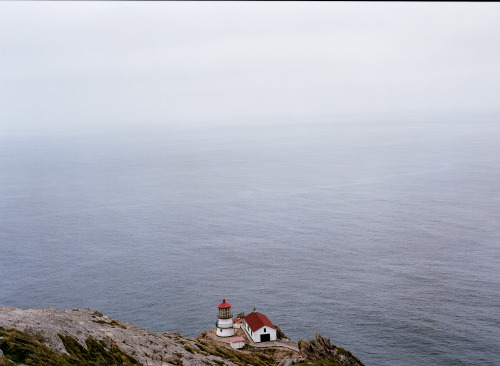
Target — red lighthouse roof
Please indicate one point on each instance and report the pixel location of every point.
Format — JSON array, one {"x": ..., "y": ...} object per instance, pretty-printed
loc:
[{"x": 224, "y": 304}]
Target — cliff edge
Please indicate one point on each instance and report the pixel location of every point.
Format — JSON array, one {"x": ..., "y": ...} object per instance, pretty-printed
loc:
[{"x": 87, "y": 337}]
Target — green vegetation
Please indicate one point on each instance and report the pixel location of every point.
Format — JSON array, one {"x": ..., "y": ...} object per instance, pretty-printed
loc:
[
  {"x": 341, "y": 351},
  {"x": 279, "y": 334},
  {"x": 239, "y": 358},
  {"x": 333, "y": 360},
  {"x": 23, "y": 349},
  {"x": 96, "y": 352},
  {"x": 178, "y": 361},
  {"x": 190, "y": 349},
  {"x": 5, "y": 361}
]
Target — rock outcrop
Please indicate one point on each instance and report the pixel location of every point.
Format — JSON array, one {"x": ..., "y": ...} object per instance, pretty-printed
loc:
[
  {"x": 321, "y": 348},
  {"x": 64, "y": 337},
  {"x": 87, "y": 337}
]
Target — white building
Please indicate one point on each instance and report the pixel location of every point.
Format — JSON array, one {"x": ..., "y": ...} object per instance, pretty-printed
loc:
[
  {"x": 225, "y": 320},
  {"x": 259, "y": 327},
  {"x": 237, "y": 342}
]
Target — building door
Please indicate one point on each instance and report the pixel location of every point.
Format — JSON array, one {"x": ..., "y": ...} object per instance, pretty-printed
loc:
[{"x": 265, "y": 337}]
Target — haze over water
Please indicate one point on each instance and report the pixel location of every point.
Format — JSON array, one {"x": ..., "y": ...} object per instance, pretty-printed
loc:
[
  {"x": 382, "y": 236},
  {"x": 335, "y": 165}
]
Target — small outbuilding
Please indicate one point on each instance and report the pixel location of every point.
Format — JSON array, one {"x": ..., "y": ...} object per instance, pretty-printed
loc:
[
  {"x": 237, "y": 342},
  {"x": 259, "y": 327},
  {"x": 237, "y": 323}
]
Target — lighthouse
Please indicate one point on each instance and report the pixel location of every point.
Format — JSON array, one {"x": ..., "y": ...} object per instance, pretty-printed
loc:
[{"x": 225, "y": 320}]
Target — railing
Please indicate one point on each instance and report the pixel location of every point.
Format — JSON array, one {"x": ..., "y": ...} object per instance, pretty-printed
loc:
[{"x": 225, "y": 313}]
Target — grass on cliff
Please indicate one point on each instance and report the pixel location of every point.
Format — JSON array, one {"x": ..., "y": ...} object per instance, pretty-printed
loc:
[
  {"x": 237, "y": 357},
  {"x": 349, "y": 359},
  {"x": 23, "y": 349}
]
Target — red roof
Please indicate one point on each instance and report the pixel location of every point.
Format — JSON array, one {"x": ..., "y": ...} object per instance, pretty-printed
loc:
[
  {"x": 237, "y": 339},
  {"x": 224, "y": 304},
  {"x": 237, "y": 320},
  {"x": 257, "y": 320}
]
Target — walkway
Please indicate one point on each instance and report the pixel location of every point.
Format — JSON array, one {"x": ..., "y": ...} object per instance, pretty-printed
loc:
[
  {"x": 290, "y": 345},
  {"x": 248, "y": 340}
]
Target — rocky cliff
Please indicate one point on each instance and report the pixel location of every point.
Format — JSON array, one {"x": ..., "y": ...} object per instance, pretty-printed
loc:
[
  {"x": 87, "y": 337},
  {"x": 321, "y": 349}
]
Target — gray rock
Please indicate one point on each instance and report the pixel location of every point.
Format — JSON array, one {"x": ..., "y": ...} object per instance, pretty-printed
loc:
[
  {"x": 320, "y": 348},
  {"x": 149, "y": 348},
  {"x": 153, "y": 349}
]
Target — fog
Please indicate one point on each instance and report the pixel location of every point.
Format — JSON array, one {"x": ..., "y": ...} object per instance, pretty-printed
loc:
[{"x": 80, "y": 65}]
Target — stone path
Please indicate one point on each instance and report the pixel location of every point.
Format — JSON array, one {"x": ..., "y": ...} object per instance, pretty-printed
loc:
[{"x": 275, "y": 344}]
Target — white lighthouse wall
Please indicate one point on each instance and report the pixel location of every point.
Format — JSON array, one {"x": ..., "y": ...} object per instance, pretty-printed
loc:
[
  {"x": 225, "y": 323},
  {"x": 225, "y": 327},
  {"x": 225, "y": 332}
]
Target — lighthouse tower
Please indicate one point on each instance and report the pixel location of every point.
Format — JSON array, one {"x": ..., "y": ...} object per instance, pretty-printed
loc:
[{"x": 225, "y": 320}]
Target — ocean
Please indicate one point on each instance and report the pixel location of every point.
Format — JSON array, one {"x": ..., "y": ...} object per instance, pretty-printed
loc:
[{"x": 382, "y": 236}]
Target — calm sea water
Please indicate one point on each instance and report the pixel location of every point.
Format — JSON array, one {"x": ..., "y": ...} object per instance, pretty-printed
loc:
[{"x": 384, "y": 237}]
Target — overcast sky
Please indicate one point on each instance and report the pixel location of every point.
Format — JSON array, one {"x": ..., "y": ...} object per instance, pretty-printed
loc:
[{"x": 70, "y": 64}]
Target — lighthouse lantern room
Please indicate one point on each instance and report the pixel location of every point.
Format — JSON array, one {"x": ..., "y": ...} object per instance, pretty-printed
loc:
[{"x": 225, "y": 320}]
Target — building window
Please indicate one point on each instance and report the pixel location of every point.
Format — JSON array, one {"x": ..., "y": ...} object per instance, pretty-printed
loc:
[{"x": 264, "y": 330}]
